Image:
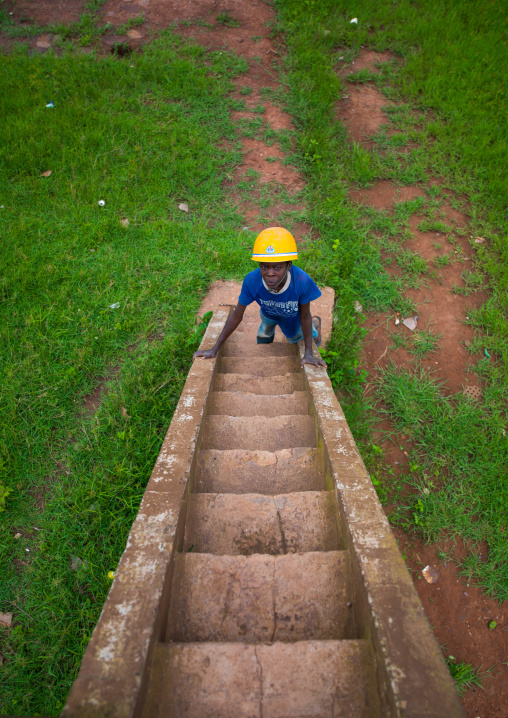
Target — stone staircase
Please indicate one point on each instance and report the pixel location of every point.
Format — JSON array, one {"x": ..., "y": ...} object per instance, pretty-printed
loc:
[
  {"x": 269, "y": 608},
  {"x": 262, "y": 591}
]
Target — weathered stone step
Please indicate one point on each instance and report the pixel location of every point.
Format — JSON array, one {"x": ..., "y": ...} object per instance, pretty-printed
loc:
[
  {"x": 260, "y": 366},
  {"x": 234, "y": 404},
  {"x": 281, "y": 384},
  {"x": 258, "y": 432},
  {"x": 246, "y": 335},
  {"x": 251, "y": 523},
  {"x": 248, "y": 348},
  {"x": 263, "y": 472},
  {"x": 260, "y": 597},
  {"x": 319, "y": 679}
]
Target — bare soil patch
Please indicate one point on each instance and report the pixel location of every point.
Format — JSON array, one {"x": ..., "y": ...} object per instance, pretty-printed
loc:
[
  {"x": 384, "y": 194},
  {"x": 362, "y": 111},
  {"x": 44, "y": 12}
]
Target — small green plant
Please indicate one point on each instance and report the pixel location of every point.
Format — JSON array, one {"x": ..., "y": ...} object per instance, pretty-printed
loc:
[
  {"x": 398, "y": 339},
  {"x": 198, "y": 331},
  {"x": 411, "y": 262},
  {"x": 246, "y": 91},
  {"x": 224, "y": 18},
  {"x": 423, "y": 342},
  {"x": 4, "y": 493},
  {"x": 464, "y": 675},
  {"x": 442, "y": 261},
  {"x": 364, "y": 166}
]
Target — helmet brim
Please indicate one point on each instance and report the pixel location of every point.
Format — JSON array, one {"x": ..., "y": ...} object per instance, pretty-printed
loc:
[{"x": 283, "y": 257}]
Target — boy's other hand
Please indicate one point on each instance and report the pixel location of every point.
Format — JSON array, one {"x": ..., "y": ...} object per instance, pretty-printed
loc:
[
  {"x": 308, "y": 358},
  {"x": 205, "y": 353}
]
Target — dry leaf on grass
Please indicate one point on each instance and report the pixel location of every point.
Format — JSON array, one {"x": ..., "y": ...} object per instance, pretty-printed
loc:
[
  {"x": 123, "y": 412},
  {"x": 184, "y": 207},
  {"x": 479, "y": 240},
  {"x": 47, "y": 173},
  {"x": 5, "y": 619}
]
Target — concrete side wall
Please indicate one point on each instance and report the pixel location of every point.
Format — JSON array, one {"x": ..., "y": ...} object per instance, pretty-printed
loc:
[
  {"x": 111, "y": 680},
  {"x": 412, "y": 676}
]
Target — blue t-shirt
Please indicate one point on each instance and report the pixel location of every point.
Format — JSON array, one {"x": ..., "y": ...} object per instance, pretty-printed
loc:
[{"x": 282, "y": 307}]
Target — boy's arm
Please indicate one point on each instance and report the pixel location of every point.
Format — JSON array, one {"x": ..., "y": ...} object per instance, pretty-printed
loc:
[
  {"x": 306, "y": 321},
  {"x": 233, "y": 321}
]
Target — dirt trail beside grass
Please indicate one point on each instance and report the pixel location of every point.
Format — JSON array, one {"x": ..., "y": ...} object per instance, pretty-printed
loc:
[{"x": 458, "y": 610}]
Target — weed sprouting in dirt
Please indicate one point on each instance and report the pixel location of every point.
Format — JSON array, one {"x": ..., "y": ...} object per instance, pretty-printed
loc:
[
  {"x": 224, "y": 18},
  {"x": 423, "y": 342},
  {"x": 465, "y": 675}
]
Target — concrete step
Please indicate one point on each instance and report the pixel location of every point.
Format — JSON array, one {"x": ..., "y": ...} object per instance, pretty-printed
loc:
[
  {"x": 280, "y": 384},
  {"x": 319, "y": 679},
  {"x": 249, "y": 348},
  {"x": 247, "y": 335},
  {"x": 263, "y": 472},
  {"x": 258, "y": 432},
  {"x": 234, "y": 404},
  {"x": 260, "y": 597},
  {"x": 260, "y": 366},
  {"x": 251, "y": 523}
]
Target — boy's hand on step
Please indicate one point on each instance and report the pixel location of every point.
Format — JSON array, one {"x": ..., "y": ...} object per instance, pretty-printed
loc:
[
  {"x": 205, "y": 353},
  {"x": 308, "y": 358}
]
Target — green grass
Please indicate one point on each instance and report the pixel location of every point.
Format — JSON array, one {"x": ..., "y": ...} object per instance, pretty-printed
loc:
[
  {"x": 143, "y": 139},
  {"x": 423, "y": 342},
  {"x": 458, "y": 459}
]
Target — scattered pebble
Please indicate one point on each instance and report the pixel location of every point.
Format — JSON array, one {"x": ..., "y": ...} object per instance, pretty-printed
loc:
[
  {"x": 430, "y": 574},
  {"x": 75, "y": 563},
  {"x": 5, "y": 619},
  {"x": 411, "y": 323}
]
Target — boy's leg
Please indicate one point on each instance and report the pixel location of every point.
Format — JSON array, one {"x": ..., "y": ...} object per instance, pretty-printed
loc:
[
  {"x": 266, "y": 331},
  {"x": 316, "y": 334}
]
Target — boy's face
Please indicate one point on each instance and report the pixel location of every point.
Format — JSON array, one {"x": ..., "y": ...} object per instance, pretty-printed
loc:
[{"x": 273, "y": 272}]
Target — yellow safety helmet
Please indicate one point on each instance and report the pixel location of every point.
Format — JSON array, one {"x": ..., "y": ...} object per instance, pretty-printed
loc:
[{"x": 274, "y": 244}]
